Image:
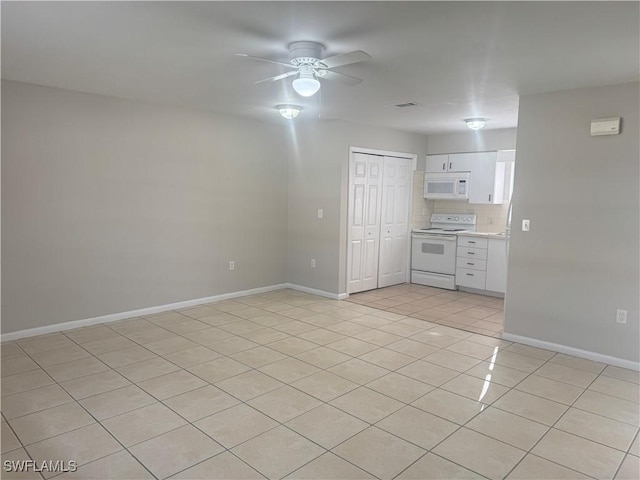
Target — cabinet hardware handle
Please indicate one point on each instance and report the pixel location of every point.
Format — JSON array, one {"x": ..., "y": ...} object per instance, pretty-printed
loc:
[
  {"x": 471, "y": 241},
  {"x": 470, "y": 274},
  {"x": 471, "y": 253},
  {"x": 444, "y": 165},
  {"x": 450, "y": 165},
  {"x": 468, "y": 263},
  {"x": 489, "y": 197}
]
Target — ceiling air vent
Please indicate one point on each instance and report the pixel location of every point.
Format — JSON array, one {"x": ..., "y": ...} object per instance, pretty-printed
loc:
[{"x": 406, "y": 105}]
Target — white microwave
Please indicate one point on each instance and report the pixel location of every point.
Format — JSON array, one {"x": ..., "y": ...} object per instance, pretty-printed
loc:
[{"x": 446, "y": 186}]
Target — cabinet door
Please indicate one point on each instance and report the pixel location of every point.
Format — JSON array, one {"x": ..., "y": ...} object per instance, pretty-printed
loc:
[
  {"x": 436, "y": 163},
  {"x": 462, "y": 162},
  {"x": 470, "y": 278},
  {"x": 497, "y": 265},
  {"x": 483, "y": 179}
]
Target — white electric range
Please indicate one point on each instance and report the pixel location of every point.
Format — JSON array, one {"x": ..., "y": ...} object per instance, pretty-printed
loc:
[{"x": 433, "y": 250}]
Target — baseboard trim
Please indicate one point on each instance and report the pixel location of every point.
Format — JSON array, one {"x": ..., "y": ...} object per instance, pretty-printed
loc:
[
  {"x": 58, "y": 327},
  {"x": 321, "y": 293},
  {"x": 576, "y": 352}
]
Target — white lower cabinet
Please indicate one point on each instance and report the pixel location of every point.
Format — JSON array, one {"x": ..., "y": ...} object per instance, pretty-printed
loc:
[
  {"x": 471, "y": 278},
  {"x": 481, "y": 263},
  {"x": 497, "y": 265}
]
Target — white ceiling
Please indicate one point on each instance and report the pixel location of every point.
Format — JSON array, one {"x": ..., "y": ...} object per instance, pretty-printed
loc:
[{"x": 456, "y": 59}]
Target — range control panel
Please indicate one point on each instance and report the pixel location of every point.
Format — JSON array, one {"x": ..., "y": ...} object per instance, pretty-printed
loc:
[{"x": 460, "y": 218}]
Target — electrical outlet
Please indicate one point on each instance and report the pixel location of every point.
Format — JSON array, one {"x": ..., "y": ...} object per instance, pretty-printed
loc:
[
  {"x": 313, "y": 263},
  {"x": 320, "y": 213},
  {"x": 232, "y": 265},
  {"x": 621, "y": 316},
  {"x": 526, "y": 224}
]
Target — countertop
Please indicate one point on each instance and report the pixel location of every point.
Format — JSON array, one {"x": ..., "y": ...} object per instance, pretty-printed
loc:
[{"x": 498, "y": 235}]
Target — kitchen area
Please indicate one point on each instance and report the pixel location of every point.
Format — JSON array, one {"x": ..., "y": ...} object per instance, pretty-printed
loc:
[
  {"x": 464, "y": 245},
  {"x": 459, "y": 243}
]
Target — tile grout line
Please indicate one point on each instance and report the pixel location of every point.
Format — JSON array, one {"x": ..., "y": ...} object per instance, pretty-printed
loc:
[
  {"x": 284, "y": 423},
  {"x": 290, "y": 356},
  {"x": 77, "y": 402},
  {"x": 551, "y": 428},
  {"x": 161, "y": 402}
]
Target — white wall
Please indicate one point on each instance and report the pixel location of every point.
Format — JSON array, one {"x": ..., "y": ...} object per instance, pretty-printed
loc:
[
  {"x": 111, "y": 205},
  {"x": 318, "y": 176},
  {"x": 580, "y": 261},
  {"x": 470, "y": 141}
]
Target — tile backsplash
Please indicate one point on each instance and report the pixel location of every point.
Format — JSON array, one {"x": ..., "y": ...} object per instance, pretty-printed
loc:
[
  {"x": 490, "y": 218},
  {"x": 421, "y": 208}
]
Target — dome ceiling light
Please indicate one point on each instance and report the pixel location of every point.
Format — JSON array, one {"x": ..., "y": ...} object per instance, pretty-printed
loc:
[{"x": 475, "y": 123}]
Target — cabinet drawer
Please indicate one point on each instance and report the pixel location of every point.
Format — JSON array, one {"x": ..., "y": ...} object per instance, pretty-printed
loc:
[
  {"x": 470, "y": 252},
  {"x": 470, "y": 278},
  {"x": 471, "y": 263},
  {"x": 475, "y": 242}
]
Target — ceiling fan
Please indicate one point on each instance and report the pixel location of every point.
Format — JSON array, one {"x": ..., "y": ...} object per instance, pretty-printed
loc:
[{"x": 308, "y": 65}]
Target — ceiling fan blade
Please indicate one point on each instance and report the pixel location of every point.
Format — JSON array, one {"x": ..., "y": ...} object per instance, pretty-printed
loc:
[
  {"x": 277, "y": 77},
  {"x": 288, "y": 65},
  {"x": 346, "y": 59},
  {"x": 341, "y": 77}
]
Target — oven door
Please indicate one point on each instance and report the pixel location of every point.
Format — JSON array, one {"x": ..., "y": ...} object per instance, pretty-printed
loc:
[{"x": 433, "y": 253}]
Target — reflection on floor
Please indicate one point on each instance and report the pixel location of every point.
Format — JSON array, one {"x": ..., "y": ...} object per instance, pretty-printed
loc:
[
  {"x": 466, "y": 311},
  {"x": 291, "y": 385}
]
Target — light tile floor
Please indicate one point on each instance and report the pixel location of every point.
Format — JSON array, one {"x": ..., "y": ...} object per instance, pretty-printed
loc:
[
  {"x": 290, "y": 385},
  {"x": 466, "y": 311}
]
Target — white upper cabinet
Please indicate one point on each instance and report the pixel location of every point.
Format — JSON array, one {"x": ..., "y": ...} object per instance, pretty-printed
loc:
[
  {"x": 455, "y": 162},
  {"x": 462, "y": 162},
  {"x": 486, "y": 183},
  {"x": 437, "y": 163}
]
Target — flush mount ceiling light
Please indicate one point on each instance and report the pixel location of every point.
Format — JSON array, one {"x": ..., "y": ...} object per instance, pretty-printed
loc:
[
  {"x": 307, "y": 64},
  {"x": 289, "y": 111},
  {"x": 475, "y": 123}
]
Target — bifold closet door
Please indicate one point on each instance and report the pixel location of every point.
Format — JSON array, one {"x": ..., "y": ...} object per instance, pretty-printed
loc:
[
  {"x": 365, "y": 193},
  {"x": 394, "y": 227}
]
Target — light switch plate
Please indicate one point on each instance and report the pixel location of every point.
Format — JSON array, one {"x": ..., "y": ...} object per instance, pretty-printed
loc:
[
  {"x": 526, "y": 224},
  {"x": 320, "y": 213}
]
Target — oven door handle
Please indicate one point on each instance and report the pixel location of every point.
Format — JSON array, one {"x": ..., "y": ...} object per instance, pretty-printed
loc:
[{"x": 450, "y": 238}]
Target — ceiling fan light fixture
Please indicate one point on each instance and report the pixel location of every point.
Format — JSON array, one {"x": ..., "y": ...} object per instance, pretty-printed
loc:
[
  {"x": 306, "y": 84},
  {"x": 289, "y": 111},
  {"x": 475, "y": 123}
]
